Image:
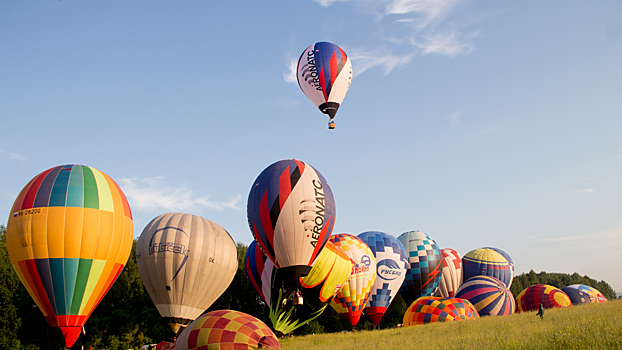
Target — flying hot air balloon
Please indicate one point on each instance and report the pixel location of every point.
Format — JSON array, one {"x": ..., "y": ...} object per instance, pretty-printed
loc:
[
  {"x": 69, "y": 236},
  {"x": 425, "y": 268},
  {"x": 452, "y": 274},
  {"x": 324, "y": 74},
  {"x": 186, "y": 262},
  {"x": 391, "y": 264},
  {"x": 353, "y": 296},
  {"x": 291, "y": 213}
]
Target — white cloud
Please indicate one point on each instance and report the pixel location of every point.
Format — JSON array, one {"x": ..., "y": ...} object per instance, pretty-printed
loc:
[
  {"x": 447, "y": 44},
  {"x": 611, "y": 237},
  {"x": 366, "y": 60},
  {"x": 587, "y": 190},
  {"x": 13, "y": 156},
  {"x": 150, "y": 194},
  {"x": 290, "y": 74},
  {"x": 327, "y": 3},
  {"x": 428, "y": 12},
  {"x": 454, "y": 119}
]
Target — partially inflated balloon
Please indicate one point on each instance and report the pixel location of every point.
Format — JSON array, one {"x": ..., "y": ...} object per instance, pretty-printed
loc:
[
  {"x": 486, "y": 262},
  {"x": 291, "y": 213},
  {"x": 226, "y": 330},
  {"x": 434, "y": 309},
  {"x": 324, "y": 74},
  {"x": 451, "y": 278},
  {"x": 353, "y": 296},
  {"x": 260, "y": 271},
  {"x": 577, "y": 296},
  {"x": 549, "y": 296},
  {"x": 69, "y": 236},
  {"x": 489, "y": 296},
  {"x": 390, "y": 271},
  {"x": 186, "y": 262},
  {"x": 595, "y": 295},
  {"x": 425, "y": 267}
]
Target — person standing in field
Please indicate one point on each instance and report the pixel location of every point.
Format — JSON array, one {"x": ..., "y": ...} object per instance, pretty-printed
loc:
[{"x": 541, "y": 311}]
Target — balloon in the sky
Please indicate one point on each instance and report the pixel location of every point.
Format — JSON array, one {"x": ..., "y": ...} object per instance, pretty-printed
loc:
[
  {"x": 508, "y": 258},
  {"x": 69, "y": 236},
  {"x": 595, "y": 295},
  {"x": 549, "y": 296},
  {"x": 489, "y": 296},
  {"x": 225, "y": 330},
  {"x": 324, "y": 74},
  {"x": 435, "y": 309},
  {"x": 186, "y": 262},
  {"x": 486, "y": 262},
  {"x": 425, "y": 267},
  {"x": 291, "y": 213},
  {"x": 391, "y": 264},
  {"x": 353, "y": 296},
  {"x": 452, "y": 273},
  {"x": 577, "y": 296}
]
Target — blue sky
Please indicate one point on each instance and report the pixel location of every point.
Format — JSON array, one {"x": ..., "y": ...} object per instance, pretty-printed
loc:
[{"x": 481, "y": 123}]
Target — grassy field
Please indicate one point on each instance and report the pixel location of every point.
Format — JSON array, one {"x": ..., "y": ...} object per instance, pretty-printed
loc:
[{"x": 591, "y": 326}]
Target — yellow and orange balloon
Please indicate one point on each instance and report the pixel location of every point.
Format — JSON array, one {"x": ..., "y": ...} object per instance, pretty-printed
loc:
[{"x": 69, "y": 236}]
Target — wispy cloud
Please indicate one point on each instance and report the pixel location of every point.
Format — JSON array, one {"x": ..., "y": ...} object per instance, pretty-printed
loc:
[
  {"x": 454, "y": 119},
  {"x": 13, "y": 156},
  {"x": 366, "y": 60},
  {"x": 290, "y": 74},
  {"x": 425, "y": 13},
  {"x": 610, "y": 237},
  {"x": 587, "y": 190},
  {"x": 150, "y": 194}
]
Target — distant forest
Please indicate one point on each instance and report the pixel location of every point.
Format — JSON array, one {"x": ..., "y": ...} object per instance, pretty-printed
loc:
[{"x": 127, "y": 318}]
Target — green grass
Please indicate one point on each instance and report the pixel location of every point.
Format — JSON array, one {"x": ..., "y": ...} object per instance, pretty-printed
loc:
[{"x": 591, "y": 326}]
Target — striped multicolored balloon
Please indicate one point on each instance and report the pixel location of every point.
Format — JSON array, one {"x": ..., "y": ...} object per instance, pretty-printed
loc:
[
  {"x": 577, "y": 296},
  {"x": 451, "y": 278},
  {"x": 434, "y": 309},
  {"x": 69, "y": 236},
  {"x": 549, "y": 296},
  {"x": 595, "y": 295},
  {"x": 486, "y": 262},
  {"x": 489, "y": 296}
]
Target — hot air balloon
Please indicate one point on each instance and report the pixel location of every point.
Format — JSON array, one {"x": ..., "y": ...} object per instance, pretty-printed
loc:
[
  {"x": 451, "y": 278},
  {"x": 508, "y": 258},
  {"x": 324, "y": 74},
  {"x": 391, "y": 264},
  {"x": 489, "y": 296},
  {"x": 425, "y": 267},
  {"x": 291, "y": 213},
  {"x": 186, "y": 262},
  {"x": 434, "y": 309},
  {"x": 353, "y": 296},
  {"x": 549, "y": 296},
  {"x": 486, "y": 262},
  {"x": 69, "y": 236},
  {"x": 595, "y": 295},
  {"x": 330, "y": 271},
  {"x": 576, "y": 296},
  {"x": 225, "y": 330}
]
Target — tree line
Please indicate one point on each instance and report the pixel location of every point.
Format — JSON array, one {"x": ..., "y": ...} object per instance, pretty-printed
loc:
[{"x": 126, "y": 318}]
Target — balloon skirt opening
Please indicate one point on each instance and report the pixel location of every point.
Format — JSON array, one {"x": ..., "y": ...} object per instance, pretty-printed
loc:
[
  {"x": 352, "y": 317},
  {"x": 375, "y": 313},
  {"x": 71, "y": 334}
]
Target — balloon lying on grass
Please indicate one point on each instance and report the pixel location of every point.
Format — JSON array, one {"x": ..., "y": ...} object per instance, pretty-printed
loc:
[
  {"x": 424, "y": 269},
  {"x": 577, "y": 296},
  {"x": 353, "y": 296},
  {"x": 324, "y": 74},
  {"x": 489, "y": 296},
  {"x": 224, "y": 330},
  {"x": 391, "y": 261},
  {"x": 186, "y": 262},
  {"x": 451, "y": 278},
  {"x": 486, "y": 262},
  {"x": 291, "y": 213},
  {"x": 434, "y": 309},
  {"x": 550, "y": 297},
  {"x": 69, "y": 236},
  {"x": 595, "y": 295}
]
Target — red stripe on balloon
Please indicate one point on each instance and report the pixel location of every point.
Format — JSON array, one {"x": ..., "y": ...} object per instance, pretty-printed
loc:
[
  {"x": 333, "y": 69},
  {"x": 323, "y": 84},
  {"x": 266, "y": 222},
  {"x": 29, "y": 200},
  {"x": 285, "y": 186},
  {"x": 265, "y": 249},
  {"x": 301, "y": 166},
  {"x": 34, "y": 281}
]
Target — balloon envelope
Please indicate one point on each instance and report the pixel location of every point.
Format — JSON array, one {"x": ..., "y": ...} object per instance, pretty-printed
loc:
[
  {"x": 324, "y": 74},
  {"x": 69, "y": 236},
  {"x": 260, "y": 271},
  {"x": 391, "y": 262},
  {"x": 489, "y": 296},
  {"x": 434, "y": 309},
  {"x": 576, "y": 296},
  {"x": 549, "y": 296},
  {"x": 508, "y": 258},
  {"x": 486, "y": 262},
  {"x": 291, "y": 213},
  {"x": 451, "y": 278},
  {"x": 186, "y": 262},
  {"x": 425, "y": 267},
  {"x": 595, "y": 295},
  {"x": 353, "y": 296},
  {"x": 226, "y": 329}
]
